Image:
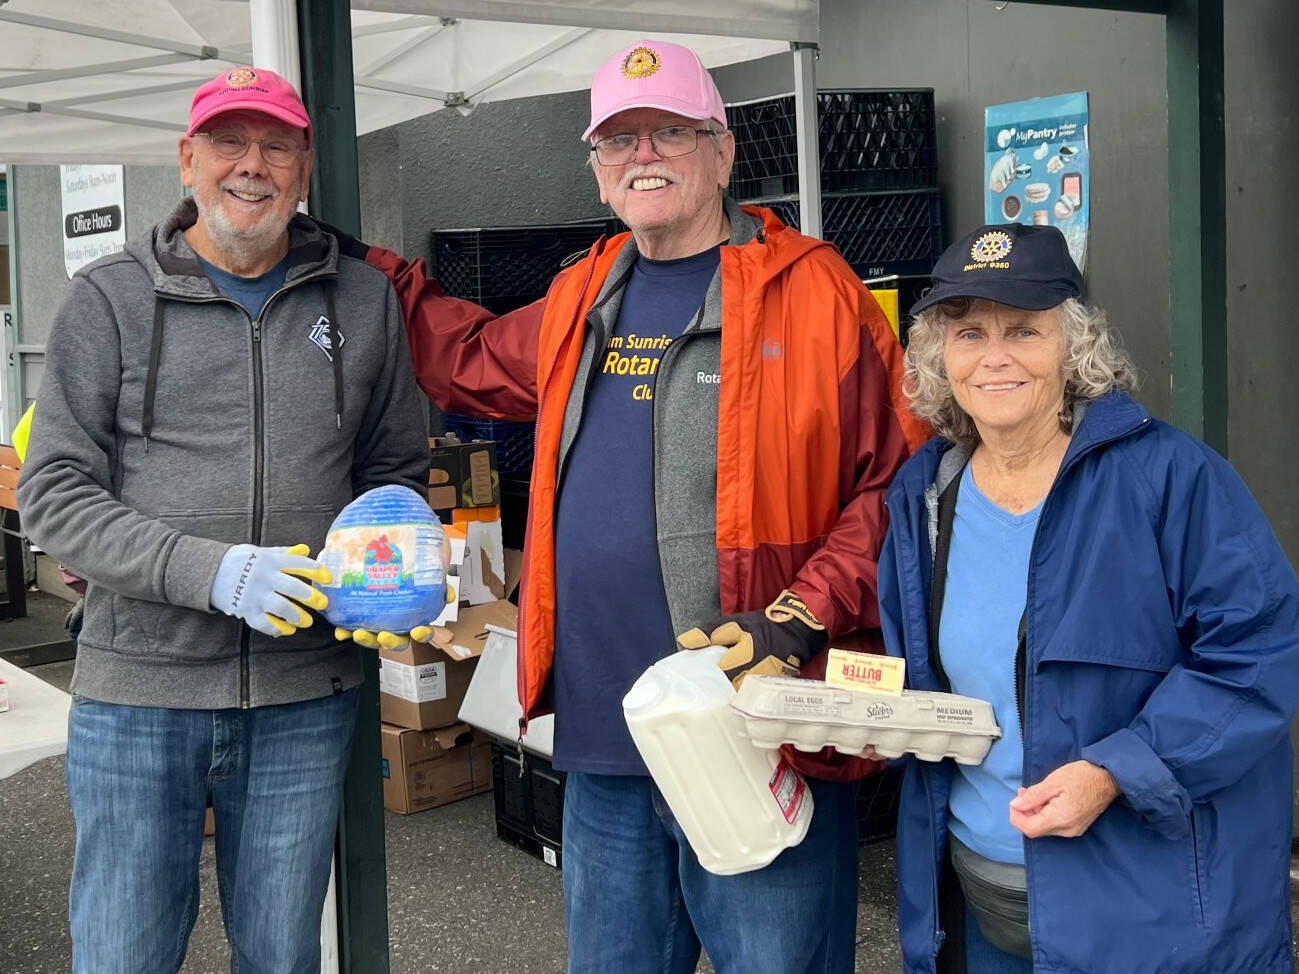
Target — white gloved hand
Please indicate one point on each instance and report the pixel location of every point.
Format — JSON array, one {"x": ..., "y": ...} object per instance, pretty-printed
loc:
[{"x": 258, "y": 585}]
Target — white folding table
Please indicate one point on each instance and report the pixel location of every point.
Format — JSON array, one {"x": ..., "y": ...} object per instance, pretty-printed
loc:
[{"x": 36, "y": 724}]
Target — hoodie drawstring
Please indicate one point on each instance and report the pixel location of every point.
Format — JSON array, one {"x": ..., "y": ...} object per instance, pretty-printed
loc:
[{"x": 151, "y": 377}]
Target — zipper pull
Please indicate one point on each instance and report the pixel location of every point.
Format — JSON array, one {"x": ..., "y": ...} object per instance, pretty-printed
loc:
[{"x": 257, "y": 331}]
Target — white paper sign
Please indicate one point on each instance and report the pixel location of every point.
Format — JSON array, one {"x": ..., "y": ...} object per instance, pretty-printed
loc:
[{"x": 94, "y": 214}]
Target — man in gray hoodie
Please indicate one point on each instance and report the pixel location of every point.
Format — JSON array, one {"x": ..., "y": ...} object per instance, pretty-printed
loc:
[{"x": 213, "y": 396}]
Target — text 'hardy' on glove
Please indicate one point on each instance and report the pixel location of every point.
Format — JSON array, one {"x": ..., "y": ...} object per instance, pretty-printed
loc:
[
  {"x": 259, "y": 586},
  {"x": 774, "y": 641}
]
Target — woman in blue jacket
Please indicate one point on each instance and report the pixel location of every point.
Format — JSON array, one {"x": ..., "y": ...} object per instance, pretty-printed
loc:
[{"x": 1110, "y": 585}]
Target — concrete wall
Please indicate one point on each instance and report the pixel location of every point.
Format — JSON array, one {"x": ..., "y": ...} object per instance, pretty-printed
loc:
[{"x": 1263, "y": 213}]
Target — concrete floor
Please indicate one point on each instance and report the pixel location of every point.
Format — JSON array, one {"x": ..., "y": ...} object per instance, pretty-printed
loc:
[{"x": 460, "y": 900}]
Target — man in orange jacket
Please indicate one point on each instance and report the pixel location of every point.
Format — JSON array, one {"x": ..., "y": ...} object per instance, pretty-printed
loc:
[{"x": 719, "y": 412}]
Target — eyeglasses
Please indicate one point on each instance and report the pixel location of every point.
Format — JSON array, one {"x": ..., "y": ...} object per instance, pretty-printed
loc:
[
  {"x": 233, "y": 145},
  {"x": 675, "y": 140}
]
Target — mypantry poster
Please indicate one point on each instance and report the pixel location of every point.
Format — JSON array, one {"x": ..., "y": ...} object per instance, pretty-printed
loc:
[{"x": 1038, "y": 168}]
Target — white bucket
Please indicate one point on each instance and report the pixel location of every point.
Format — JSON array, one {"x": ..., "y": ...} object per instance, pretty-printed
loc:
[{"x": 739, "y": 805}]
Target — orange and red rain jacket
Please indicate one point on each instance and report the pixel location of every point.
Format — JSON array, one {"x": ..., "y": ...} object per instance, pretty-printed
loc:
[{"x": 812, "y": 425}]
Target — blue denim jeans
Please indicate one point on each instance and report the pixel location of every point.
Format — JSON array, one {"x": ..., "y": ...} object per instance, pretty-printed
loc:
[
  {"x": 636, "y": 900},
  {"x": 139, "y": 781},
  {"x": 982, "y": 957}
]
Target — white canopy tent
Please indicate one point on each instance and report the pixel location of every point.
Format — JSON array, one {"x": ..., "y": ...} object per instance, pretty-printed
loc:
[{"x": 88, "y": 81}]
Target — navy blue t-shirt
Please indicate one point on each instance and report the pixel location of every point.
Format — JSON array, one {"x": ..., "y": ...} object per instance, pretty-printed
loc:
[
  {"x": 612, "y": 618},
  {"x": 251, "y": 292}
]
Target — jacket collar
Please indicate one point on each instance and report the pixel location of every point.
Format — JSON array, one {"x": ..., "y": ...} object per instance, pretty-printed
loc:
[
  {"x": 1113, "y": 416},
  {"x": 745, "y": 228},
  {"x": 176, "y": 271}
]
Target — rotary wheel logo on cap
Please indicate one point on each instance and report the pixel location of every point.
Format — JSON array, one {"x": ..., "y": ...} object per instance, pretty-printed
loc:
[
  {"x": 991, "y": 247},
  {"x": 241, "y": 78},
  {"x": 641, "y": 63}
]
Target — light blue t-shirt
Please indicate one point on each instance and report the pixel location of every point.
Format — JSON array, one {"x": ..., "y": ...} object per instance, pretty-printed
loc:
[
  {"x": 987, "y": 586},
  {"x": 251, "y": 292}
]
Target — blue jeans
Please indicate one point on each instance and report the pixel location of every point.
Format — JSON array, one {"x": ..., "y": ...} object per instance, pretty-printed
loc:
[
  {"x": 139, "y": 781},
  {"x": 636, "y": 900},
  {"x": 982, "y": 957}
]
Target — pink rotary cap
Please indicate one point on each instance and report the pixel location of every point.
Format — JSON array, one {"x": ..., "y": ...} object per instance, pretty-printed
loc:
[
  {"x": 654, "y": 74},
  {"x": 250, "y": 90}
]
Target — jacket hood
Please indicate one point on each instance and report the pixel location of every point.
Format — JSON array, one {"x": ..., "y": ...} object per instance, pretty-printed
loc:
[{"x": 175, "y": 269}]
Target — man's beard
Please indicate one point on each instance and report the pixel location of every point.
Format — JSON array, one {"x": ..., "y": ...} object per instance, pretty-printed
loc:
[{"x": 243, "y": 245}]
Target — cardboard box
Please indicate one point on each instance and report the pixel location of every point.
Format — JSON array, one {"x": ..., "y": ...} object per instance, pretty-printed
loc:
[
  {"x": 426, "y": 768},
  {"x": 423, "y": 685},
  {"x": 462, "y": 474},
  {"x": 482, "y": 573},
  {"x": 209, "y": 823}
]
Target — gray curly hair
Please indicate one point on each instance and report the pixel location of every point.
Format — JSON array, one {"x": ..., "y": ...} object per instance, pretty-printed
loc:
[{"x": 1094, "y": 363}]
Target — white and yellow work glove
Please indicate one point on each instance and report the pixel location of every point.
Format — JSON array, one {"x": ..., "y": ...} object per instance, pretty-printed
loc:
[
  {"x": 395, "y": 640},
  {"x": 264, "y": 587},
  {"x": 775, "y": 641}
]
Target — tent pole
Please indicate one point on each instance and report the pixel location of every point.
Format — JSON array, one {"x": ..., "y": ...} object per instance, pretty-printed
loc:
[
  {"x": 325, "y": 39},
  {"x": 1197, "y": 219},
  {"x": 274, "y": 35},
  {"x": 809, "y": 148}
]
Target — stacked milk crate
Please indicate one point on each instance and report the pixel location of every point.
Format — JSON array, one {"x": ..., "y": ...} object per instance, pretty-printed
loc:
[
  {"x": 505, "y": 268},
  {"x": 879, "y": 177}
]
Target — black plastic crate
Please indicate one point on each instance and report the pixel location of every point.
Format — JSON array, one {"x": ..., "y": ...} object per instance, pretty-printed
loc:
[
  {"x": 877, "y": 805},
  {"x": 514, "y": 512},
  {"x": 870, "y": 139},
  {"x": 503, "y": 268},
  {"x": 877, "y": 233},
  {"x": 515, "y": 442},
  {"x": 529, "y": 797}
]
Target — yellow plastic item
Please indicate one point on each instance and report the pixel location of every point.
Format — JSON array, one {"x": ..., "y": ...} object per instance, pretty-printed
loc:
[
  {"x": 23, "y": 432},
  {"x": 887, "y": 299}
]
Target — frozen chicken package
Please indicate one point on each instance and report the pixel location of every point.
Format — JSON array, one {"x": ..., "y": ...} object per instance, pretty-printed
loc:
[{"x": 388, "y": 554}]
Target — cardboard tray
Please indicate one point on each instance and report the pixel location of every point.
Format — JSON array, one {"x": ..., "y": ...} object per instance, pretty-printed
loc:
[{"x": 810, "y": 715}]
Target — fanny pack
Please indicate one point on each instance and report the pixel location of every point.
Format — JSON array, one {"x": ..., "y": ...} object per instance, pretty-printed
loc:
[{"x": 996, "y": 893}]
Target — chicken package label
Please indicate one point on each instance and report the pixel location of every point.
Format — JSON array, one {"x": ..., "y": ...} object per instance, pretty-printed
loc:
[{"x": 387, "y": 553}]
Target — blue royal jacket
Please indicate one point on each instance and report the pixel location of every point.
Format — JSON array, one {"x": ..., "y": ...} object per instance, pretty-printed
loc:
[{"x": 1162, "y": 643}]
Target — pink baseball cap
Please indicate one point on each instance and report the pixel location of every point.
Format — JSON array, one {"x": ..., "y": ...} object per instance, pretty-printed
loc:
[
  {"x": 654, "y": 74},
  {"x": 251, "y": 90}
]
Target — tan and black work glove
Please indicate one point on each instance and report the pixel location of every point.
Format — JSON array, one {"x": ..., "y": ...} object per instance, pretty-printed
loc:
[{"x": 774, "y": 641}]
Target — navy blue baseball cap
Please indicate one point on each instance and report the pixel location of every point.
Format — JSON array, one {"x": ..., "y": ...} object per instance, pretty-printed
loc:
[{"x": 1013, "y": 264}]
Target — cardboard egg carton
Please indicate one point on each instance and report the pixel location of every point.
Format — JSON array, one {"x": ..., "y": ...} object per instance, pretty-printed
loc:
[{"x": 811, "y": 714}]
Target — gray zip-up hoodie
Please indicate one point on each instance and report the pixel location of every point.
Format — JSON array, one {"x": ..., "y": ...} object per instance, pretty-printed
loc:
[{"x": 170, "y": 426}]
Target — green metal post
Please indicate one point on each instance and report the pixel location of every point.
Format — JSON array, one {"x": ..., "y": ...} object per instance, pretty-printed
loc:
[
  {"x": 1197, "y": 219},
  {"x": 1124, "y": 6},
  {"x": 325, "y": 44}
]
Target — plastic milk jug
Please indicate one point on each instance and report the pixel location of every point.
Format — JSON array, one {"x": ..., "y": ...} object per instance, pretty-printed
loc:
[{"x": 739, "y": 805}]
